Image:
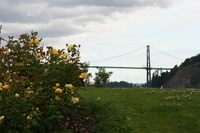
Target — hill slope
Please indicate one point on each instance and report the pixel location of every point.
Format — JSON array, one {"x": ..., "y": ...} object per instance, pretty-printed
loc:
[{"x": 188, "y": 76}]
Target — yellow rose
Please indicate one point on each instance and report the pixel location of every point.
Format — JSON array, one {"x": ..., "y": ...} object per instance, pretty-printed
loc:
[
  {"x": 5, "y": 87},
  {"x": 10, "y": 80},
  {"x": 1, "y": 118},
  {"x": 83, "y": 75},
  {"x": 6, "y": 53},
  {"x": 57, "y": 84},
  {"x": 58, "y": 90},
  {"x": 45, "y": 70},
  {"x": 16, "y": 95},
  {"x": 38, "y": 54},
  {"x": 29, "y": 92},
  {"x": 34, "y": 41},
  {"x": 21, "y": 64},
  {"x": 0, "y": 84},
  {"x": 70, "y": 47},
  {"x": 31, "y": 41},
  {"x": 63, "y": 55},
  {"x": 57, "y": 98},
  {"x": 70, "y": 86},
  {"x": 75, "y": 99},
  {"x": 54, "y": 52},
  {"x": 37, "y": 109},
  {"x": 29, "y": 117}
]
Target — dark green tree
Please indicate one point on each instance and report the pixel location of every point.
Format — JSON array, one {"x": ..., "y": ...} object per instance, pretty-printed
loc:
[
  {"x": 160, "y": 79},
  {"x": 102, "y": 77}
]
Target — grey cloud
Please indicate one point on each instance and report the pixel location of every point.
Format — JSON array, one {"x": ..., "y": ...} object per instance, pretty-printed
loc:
[
  {"x": 42, "y": 11},
  {"x": 112, "y": 3},
  {"x": 61, "y": 27},
  {"x": 66, "y": 17},
  {"x": 54, "y": 28}
]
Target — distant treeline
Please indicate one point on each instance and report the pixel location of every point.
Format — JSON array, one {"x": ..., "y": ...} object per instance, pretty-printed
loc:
[
  {"x": 119, "y": 84},
  {"x": 159, "y": 79},
  {"x": 122, "y": 84}
]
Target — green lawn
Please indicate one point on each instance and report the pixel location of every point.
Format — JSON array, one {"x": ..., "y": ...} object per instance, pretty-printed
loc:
[{"x": 144, "y": 110}]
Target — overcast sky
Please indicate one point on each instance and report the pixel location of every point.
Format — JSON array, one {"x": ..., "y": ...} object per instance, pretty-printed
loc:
[{"x": 111, "y": 32}]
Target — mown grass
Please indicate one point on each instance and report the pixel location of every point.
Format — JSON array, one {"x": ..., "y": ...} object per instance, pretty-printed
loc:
[{"x": 144, "y": 110}]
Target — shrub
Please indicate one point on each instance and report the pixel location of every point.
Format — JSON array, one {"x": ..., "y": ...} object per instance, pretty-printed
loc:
[{"x": 35, "y": 85}]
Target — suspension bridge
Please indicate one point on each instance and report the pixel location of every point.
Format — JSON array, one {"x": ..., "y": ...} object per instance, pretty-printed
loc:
[{"x": 148, "y": 67}]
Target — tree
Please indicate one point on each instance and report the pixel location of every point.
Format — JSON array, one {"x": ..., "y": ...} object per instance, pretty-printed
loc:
[
  {"x": 121, "y": 84},
  {"x": 102, "y": 77}
]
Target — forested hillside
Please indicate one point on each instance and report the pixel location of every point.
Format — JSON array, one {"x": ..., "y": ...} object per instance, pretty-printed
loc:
[{"x": 183, "y": 76}]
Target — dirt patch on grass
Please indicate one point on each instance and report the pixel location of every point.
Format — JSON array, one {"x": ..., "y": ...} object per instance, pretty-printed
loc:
[{"x": 78, "y": 121}]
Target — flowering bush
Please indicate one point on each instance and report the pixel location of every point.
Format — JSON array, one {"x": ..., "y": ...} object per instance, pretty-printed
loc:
[{"x": 35, "y": 85}]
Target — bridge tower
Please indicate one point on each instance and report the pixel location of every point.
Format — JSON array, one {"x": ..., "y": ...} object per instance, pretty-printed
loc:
[{"x": 148, "y": 67}]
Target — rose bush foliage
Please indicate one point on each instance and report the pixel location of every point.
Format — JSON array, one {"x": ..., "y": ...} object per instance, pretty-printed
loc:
[{"x": 36, "y": 84}]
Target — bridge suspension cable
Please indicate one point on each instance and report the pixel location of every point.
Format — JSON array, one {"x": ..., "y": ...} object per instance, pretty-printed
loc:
[
  {"x": 167, "y": 54},
  {"x": 118, "y": 55}
]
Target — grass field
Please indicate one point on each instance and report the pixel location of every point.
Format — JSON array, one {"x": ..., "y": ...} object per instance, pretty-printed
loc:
[{"x": 144, "y": 110}]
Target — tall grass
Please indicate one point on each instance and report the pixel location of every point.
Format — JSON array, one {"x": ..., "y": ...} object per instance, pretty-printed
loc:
[{"x": 144, "y": 110}]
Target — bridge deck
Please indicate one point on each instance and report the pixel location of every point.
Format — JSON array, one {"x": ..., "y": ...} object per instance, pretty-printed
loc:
[{"x": 118, "y": 67}]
